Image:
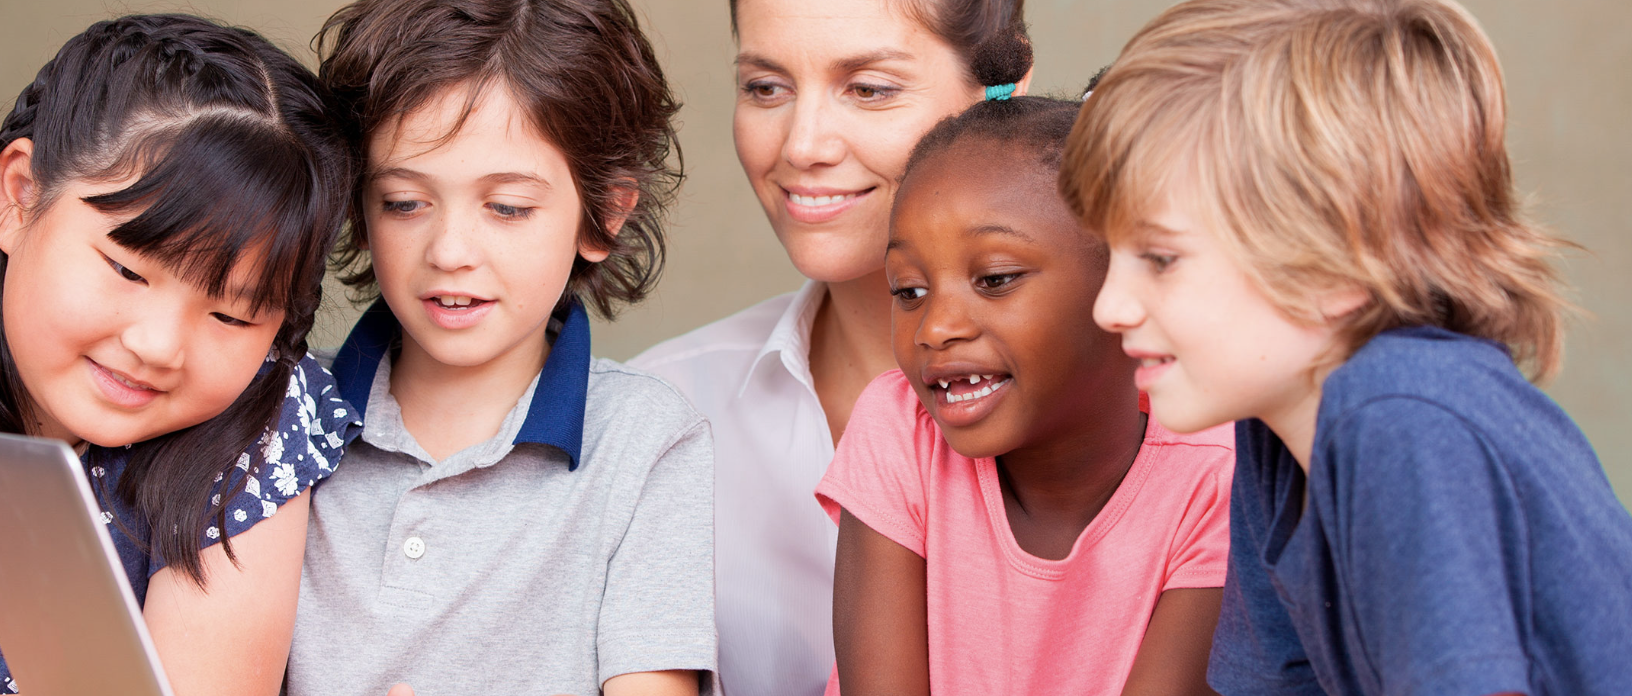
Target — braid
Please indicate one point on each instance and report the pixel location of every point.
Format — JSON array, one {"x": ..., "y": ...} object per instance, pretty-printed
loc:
[{"x": 233, "y": 153}]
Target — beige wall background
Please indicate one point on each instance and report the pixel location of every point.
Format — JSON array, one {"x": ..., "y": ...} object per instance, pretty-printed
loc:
[{"x": 1569, "y": 75}]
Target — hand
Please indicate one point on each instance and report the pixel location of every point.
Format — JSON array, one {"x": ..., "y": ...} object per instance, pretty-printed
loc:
[{"x": 401, "y": 689}]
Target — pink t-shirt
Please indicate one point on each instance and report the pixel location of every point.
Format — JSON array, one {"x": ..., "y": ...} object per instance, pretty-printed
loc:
[{"x": 1002, "y": 620}]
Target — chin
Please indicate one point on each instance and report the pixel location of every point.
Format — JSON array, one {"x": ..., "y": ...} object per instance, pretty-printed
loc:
[
  {"x": 831, "y": 259},
  {"x": 1177, "y": 418}
]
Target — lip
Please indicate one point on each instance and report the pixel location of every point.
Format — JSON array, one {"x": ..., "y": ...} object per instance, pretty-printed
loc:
[
  {"x": 963, "y": 414},
  {"x": 112, "y": 385},
  {"x": 455, "y": 319},
  {"x": 1145, "y": 376},
  {"x": 815, "y": 214}
]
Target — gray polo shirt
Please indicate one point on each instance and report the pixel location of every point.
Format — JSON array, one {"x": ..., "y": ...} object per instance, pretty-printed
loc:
[{"x": 513, "y": 567}]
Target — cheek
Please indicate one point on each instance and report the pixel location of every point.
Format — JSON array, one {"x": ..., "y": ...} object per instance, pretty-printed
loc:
[
  {"x": 757, "y": 134},
  {"x": 230, "y": 364}
]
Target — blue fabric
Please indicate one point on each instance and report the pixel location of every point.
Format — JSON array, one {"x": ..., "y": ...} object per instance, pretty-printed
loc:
[
  {"x": 1460, "y": 538},
  {"x": 556, "y": 415},
  {"x": 314, "y": 426}
]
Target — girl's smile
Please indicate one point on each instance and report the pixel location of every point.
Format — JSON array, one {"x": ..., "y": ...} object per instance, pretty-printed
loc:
[{"x": 994, "y": 282}]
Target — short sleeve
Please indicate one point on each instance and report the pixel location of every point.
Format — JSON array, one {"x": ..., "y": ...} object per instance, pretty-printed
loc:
[
  {"x": 1427, "y": 535},
  {"x": 658, "y": 609},
  {"x": 879, "y": 470},
  {"x": 1201, "y": 554},
  {"x": 303, "y": 447}
]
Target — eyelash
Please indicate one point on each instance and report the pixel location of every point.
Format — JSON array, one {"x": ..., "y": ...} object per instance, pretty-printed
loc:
[
  {"x": 510, "y": 212},
  {"x": 407, "y": 208},
  {"x": 131, "y": 276},
  {"x": 879, "y": 93},
  {"x": 1006, "y": 279},
  {"x": 1159, "y": 262}
]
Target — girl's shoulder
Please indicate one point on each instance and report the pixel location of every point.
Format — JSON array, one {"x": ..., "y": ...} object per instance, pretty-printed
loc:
[{"x": 300, "y": 448}]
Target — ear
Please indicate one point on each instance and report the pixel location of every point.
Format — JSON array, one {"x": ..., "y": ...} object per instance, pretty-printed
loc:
[
  {"x": 1341, "y": 301},
  {"x": 17, "y": 190},
  {"x": 624, "y": 197},
  {"x": 1023, "y": 87}
]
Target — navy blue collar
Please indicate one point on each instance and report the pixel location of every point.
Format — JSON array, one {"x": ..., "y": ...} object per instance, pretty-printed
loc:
[{"x": 556, "y": 415}]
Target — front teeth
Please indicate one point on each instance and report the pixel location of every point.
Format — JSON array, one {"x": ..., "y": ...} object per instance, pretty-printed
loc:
[
  {"x": 1152, "y": 362},
  {"x": 973, "y": 380},
  {"x": 818, "y": 201},
  {"x": 453, "y": 301},
  {"x": 127, "y": 382}
]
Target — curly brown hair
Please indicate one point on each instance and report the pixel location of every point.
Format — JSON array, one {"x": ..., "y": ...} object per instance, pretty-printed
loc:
[{"x": 584, "y": 72}]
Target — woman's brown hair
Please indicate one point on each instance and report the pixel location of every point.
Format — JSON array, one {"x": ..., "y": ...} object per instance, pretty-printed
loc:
[
  {"x": 583, "y": 71},
  {"x": 1333, "y": 144}
]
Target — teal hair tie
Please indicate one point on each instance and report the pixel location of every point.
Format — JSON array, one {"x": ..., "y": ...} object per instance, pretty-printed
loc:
[{"x": 1000, "y": 92}]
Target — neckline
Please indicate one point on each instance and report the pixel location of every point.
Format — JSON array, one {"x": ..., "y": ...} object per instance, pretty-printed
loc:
[{"x": 991, "y": 493}]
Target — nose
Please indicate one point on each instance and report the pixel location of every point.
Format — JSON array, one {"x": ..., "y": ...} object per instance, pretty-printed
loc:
[
  {"x": 450, "y": 247},
  {"x": 1117, "y": 309},
  {"x": 155, "y": 336},
  {"x": 813, "y": 139},
  {"x": 944, "y": 321}
]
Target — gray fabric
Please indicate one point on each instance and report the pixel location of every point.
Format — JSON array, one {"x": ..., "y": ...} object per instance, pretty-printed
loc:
[{"x": 532, "y": 579}]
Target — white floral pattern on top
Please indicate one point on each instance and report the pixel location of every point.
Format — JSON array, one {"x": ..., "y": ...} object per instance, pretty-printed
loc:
[{"x": 299, "y": 449}]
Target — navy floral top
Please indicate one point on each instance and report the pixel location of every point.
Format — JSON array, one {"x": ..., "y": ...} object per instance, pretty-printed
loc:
[{"x": 301, "y": 449}]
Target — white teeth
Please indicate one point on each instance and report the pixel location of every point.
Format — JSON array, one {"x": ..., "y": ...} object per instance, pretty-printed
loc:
[
  {"x": 978, "y": 393},
  {"x": 1152, "y": 362},
  {"x": 974, "y": 379},
  {"x": 453, "y": 301},
  {"x": 127, "y": 382},
  {"x": 944, "y": 384},
  {"x": 986, "y": 376},
  {"x": 818, "y": 201}
]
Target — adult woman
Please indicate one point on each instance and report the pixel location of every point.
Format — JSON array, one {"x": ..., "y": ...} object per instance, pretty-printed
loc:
[{"x": 831, "y": 101}]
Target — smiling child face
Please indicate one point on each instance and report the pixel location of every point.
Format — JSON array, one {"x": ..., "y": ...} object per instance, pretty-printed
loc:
[
  {"x": 994, "y": 286},
  {"x": 472, "y": 236}
]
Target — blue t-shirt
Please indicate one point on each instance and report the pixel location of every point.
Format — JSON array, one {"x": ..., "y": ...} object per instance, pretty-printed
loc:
[
  {"x": 314, "y": 426},
  {"x": 1460, "y": 539}
]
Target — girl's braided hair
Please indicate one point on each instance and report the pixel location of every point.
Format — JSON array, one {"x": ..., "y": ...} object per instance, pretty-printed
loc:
[{"x": 233, "y": 154}]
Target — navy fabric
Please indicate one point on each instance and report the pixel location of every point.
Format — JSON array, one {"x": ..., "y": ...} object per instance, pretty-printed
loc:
[
  {"x": 556, "y": 415},
  {"x": 1460, "y": 538},
  {"x": 314, "y": 426}
]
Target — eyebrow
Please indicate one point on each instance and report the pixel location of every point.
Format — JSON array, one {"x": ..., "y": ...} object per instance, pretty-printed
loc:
[
  {"x": 1001, "y": 229},
  {"x": 494, "y": 178},
  {"x": 849, "y": 64}
]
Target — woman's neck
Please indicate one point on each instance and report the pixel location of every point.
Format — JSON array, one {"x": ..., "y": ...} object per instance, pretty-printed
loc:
[
  {"x": 449, "y": 407},
  {"x": 850, "y": 345}
]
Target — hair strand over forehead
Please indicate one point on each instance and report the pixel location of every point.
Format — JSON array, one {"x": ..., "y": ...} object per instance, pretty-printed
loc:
[{"x": 1333, "y": 144}]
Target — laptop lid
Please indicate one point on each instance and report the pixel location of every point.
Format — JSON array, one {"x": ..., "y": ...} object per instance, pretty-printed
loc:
[{"x": 69, "y": 623}]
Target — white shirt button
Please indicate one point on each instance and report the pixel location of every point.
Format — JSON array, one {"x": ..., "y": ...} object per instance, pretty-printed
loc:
[{"x": 414, "y": 547}]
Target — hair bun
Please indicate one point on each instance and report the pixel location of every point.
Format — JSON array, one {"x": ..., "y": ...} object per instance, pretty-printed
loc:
[{"x": 1002, "y": 59}]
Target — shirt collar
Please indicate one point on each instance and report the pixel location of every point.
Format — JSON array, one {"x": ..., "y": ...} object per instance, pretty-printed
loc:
[
  {"x": 555, "y": 416},
  {"x": 790, "y": 338}
]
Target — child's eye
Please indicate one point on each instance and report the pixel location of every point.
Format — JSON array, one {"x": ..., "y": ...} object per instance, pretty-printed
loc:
[
  {"x": 1159, "y": 262},
  {"x": 909, "y": 294},
  {"x": 510, "y": 212},
  {"x": 229, "y": 321},
  {"x": 402, "y": 207},
  {"x": 123, "y": 272},
  {"x": 995, "y": 281}
]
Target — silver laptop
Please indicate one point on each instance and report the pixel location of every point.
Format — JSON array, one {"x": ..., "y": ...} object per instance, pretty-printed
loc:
[{"x": 69, "y": 624}]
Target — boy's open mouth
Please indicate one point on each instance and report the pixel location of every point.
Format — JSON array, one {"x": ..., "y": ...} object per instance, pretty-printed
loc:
[{"x": 457, "y": 302}]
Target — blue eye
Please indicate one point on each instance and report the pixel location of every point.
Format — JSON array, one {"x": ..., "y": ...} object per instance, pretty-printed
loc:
[
  {"x": 123, "y": 272},
  {"x": 510, "y": 212},
  {"x": 402, "y": 207},
  {"x": 1159, "y": 262}
]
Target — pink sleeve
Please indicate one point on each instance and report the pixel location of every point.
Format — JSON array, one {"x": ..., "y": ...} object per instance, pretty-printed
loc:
[
  {"x": 1202, "y": 549},
  {"x": 877, "y": 472}
]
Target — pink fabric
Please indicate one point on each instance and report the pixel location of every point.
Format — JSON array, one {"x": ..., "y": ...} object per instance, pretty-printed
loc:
[{"x": 1000, "y": 619}]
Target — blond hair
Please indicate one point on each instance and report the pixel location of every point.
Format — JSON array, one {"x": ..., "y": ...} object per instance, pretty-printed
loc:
[{"x": 1335, "y": 144}]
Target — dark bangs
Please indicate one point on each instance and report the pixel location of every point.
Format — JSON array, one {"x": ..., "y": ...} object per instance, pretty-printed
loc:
[{"x": 220, "y": 189}]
